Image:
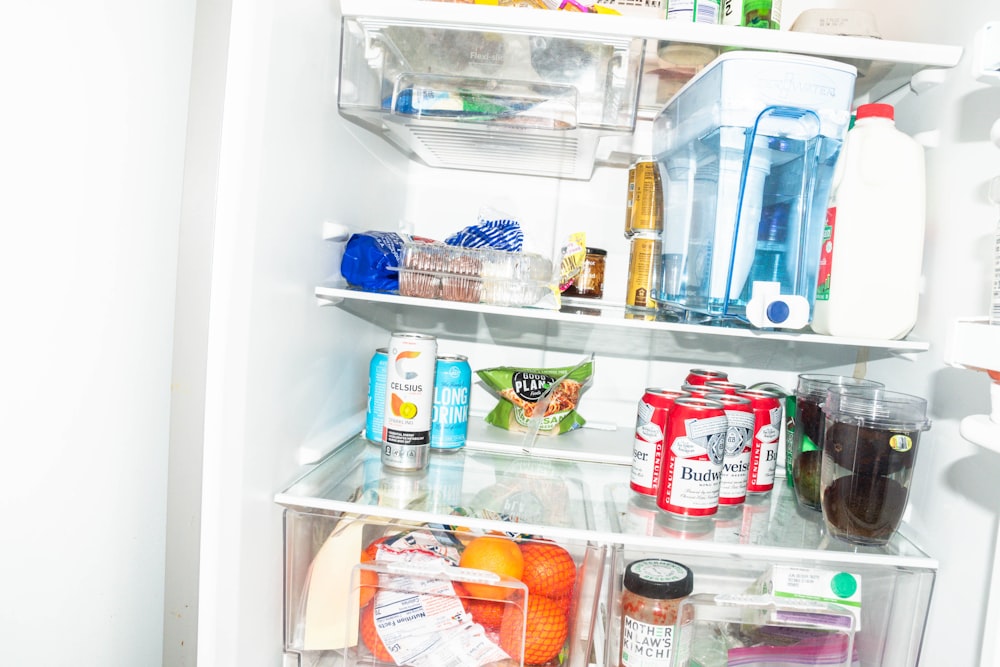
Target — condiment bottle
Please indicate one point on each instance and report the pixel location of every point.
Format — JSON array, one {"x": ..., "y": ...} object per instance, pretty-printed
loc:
[{"x": 653, "y": 591}]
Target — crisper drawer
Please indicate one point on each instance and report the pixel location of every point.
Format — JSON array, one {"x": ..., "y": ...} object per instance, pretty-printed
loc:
[
  {"x": 872, "y": 613},
  {"x": 368, "y": 591},
  {"x": 461, "y": 90}
]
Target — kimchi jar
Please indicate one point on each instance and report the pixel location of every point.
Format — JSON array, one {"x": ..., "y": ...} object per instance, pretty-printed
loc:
[{"x": 653, "y": 591}]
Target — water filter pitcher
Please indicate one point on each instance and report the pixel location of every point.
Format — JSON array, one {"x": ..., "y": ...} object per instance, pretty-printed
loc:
[{"x": 746, "y": 152}]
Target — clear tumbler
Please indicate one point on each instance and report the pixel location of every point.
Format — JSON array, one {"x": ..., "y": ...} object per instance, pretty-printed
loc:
[
  {"x": 807, "y": 438},
  {"x": 869, "y": 449}
]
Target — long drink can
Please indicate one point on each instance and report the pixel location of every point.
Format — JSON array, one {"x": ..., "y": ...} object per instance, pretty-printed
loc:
[
  {"x": 739, "y": 443},
  {"x": 647, "y": 446},
  {"x": 703, "y": 375},
  {"x": 409, "y": 397},
  {"x": 377, "y": 369},
  {"x": 766, "y": 431},
  {"x": 694, "y": 449},
  {"x": 452, "y": 387}
]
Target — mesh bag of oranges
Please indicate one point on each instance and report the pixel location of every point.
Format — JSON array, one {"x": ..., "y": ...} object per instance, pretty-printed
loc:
[{"x": 508, "y": 602}]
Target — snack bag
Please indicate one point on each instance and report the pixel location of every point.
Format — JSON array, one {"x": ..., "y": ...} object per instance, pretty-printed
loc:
[{"x": 520, "y": 390}]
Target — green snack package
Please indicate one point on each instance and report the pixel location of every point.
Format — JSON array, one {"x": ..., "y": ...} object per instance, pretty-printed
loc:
[{"x": 520, "y": 389}]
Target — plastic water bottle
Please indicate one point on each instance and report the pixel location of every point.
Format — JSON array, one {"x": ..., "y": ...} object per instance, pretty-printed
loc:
[{"x": 869, "y": 276}]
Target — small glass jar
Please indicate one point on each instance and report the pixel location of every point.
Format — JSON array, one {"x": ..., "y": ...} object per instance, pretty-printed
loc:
[
  {"x": 589, "y": 283},
  {"x": 653, "y": 591}
]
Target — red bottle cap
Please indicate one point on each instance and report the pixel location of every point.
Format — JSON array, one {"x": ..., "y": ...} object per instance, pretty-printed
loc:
[{"x": 876, "y": 111}]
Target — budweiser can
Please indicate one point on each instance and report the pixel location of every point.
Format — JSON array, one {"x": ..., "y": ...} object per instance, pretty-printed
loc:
[
  {"x": 377, "y": 369},
  {"x": 647, "y": 198},
  {"x": 452, "y": 387},
  {"x": 700, "y": 390},
  {"x": 766, "y": 431},
  {"x": 409, "y": 398},
  {"x": 726, "y": 387},
  {"x": 739, "y": 436},
  {"x": 643, "y": 270},
  {"x": 694, "y": 450},
  {"x": 647, "y": 446},
  {"x": 701, "y": 376}
]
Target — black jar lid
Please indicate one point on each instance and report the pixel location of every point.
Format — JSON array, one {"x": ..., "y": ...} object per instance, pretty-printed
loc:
[
  {"x": 597, "y": 251},
  {"x": 659, "y": 579}
]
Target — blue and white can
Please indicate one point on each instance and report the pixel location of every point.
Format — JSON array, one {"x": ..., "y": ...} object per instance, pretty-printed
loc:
[
  {"x": 452, "y": 388},
  {"x": 377, "y": 370}
]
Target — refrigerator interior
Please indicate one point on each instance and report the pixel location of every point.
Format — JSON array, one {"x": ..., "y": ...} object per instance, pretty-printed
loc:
[{"x": 286, "y": 378}]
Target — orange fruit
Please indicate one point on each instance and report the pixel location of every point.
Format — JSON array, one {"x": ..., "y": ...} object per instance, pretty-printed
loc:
[
  {"x": 370, "y": 637},
  {"x": 546, "y": 633},
  {"x": 368, "y": 581},
  {"x": 487, "y": 613},
  {"x": 549, "y": 569},
  {"x": 493, "y": 554}
]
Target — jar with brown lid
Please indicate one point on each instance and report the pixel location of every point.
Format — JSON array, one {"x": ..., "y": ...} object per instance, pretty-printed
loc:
[{"x": 654, "y": 588}]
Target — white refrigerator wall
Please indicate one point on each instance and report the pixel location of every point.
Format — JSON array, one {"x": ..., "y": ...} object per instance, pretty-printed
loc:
[{"x": 92, "y": 125}]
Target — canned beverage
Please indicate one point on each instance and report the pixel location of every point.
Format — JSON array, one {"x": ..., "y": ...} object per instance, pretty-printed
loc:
[
  {"x": 726, "y": 387},
  {"x": 694, "y": 449},
  {"x": 647, "y": 445},
  {"x": 376, "y": 394},
  {"x": 766, "y": 430},
  {"x": 701, "y": 391},
  {"x": 739, "y": 443},
  {"x": 702, "y": 375},
  {"x": 643, "y": 270},
  {"x": 694, "y": 11},
  {"x": 409, "y": 398},
  {"x": 647, "y": 198},
  {"x": 452, "y": 387},
  {"x": 629, "y": 200}
]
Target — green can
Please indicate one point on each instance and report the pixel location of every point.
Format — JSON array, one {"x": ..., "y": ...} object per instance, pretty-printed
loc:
[{"x": 752, "y": 13}]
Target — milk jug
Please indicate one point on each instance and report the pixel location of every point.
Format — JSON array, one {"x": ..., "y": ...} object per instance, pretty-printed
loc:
[{"x": 869, "y": 275}]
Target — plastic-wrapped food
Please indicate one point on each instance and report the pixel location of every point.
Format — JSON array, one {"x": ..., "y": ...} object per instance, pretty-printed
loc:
[
  {"x": 370, "y": 260},
  {"x": 521, "y": 389}
]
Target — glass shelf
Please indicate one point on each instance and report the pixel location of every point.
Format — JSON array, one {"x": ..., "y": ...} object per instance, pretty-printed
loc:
[
  {"x": 560, "y": 493},
  {"x": 584, "y": 325}
]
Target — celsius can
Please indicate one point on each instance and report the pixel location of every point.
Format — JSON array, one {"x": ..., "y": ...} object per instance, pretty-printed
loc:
[
  {"x": 409, "y": 397},
  {"x": 376, "y": 394},
  {"x": 647, "y": 198},
  {"x": 766, "y": 431},
  {"x": 643, "y": 270},
  {"x": 452, "y": 387},
  {"x": 694, "y": 449},
  {"x": 701, "y": 376},
  {"x": 647, "y": 446},
  {"x": 739, "y": 437}
]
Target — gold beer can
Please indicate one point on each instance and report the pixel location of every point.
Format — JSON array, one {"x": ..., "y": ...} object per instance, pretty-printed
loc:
[
  {"x": 629, "y": 199},
  {"x": 643, "y": 270},
  {"x": 647, "y": 198}
]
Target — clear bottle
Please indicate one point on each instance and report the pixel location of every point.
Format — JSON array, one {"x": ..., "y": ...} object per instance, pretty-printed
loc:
[
  {"x": 654, "y": 588},
  {"x": 870, "y": 269}
]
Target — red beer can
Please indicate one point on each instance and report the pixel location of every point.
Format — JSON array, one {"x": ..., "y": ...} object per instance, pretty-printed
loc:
[
  {"x": 739, "y": 443},
  {"x": 701, "y": 390},
  {"x": 766, "y": 430},
  {"x": 647, "y": 446},
  {"x": 726, "y": 387},
  {"x": 701, "y": 376},
  {"x": 693, "y": 451}
]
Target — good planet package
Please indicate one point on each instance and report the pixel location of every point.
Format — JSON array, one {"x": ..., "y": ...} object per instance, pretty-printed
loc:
[
  {"x": 371, "y": 259},
  {"x": 520, "y": 390}
]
